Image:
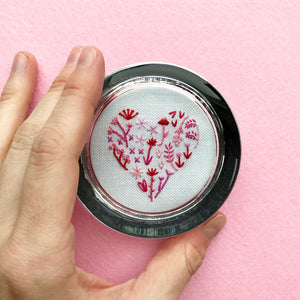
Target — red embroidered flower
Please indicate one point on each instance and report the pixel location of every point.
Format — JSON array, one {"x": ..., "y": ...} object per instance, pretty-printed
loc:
[
  {"x": 151, "y": 142},
  {"x": 152, "y": 172},
  {"x": 128, "y": 114},
  {"x": 163, "y": 121}
]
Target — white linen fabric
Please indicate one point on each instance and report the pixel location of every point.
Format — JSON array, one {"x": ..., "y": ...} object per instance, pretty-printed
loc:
[{"x": 144, "y": 161}]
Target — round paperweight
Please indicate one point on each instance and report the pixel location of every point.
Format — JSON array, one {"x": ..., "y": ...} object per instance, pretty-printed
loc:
[{"x": 162, "y": 154}]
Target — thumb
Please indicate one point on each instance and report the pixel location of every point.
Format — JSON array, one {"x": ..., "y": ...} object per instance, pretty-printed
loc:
[{"x": 177, "y": 260}]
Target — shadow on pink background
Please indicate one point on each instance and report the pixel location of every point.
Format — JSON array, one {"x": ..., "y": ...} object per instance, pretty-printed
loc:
[{"x": 249, "y": 50}]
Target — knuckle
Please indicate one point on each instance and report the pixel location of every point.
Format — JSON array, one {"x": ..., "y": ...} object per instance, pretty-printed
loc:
[
  {"x": 47, "y": 147},
  {"x": 59, "y": 83},
  {"x": 9, "y": 93},
  {"x": 24, "y": 137},
  {"x": 194, "y": 257},
  {"x": 73, "y": 90}
]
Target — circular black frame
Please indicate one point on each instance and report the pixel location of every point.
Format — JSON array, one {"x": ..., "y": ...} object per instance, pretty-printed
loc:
[{"x": 160, "y": 228}]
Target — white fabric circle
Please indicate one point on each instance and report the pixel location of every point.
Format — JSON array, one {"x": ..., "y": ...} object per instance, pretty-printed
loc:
[{"x": 159, "y": 159}]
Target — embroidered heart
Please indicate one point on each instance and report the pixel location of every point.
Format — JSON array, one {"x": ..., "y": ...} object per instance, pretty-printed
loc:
[{"x": 152, "y": 153}]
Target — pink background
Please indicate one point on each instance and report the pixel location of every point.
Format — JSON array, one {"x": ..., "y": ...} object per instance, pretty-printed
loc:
[{"x": 250, "y": 51}]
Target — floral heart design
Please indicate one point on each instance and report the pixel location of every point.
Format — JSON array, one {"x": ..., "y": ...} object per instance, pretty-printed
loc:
[{"x": 152, "y": 153}]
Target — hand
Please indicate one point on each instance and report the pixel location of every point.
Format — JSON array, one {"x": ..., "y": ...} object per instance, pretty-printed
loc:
[{"x": 38, "y": 184}]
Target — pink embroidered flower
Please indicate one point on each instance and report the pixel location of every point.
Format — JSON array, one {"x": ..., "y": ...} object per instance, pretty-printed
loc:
[
  {"x": 170, "y": 171},
  {"x": 187, "y": 144},
  {"x": 178, "y": 154},
  {"x": 110, "y": 131},
  {"x": 129, "y": 125},
  {"x": 136, "y": 172},
  {"x": 115, "y": 121}
]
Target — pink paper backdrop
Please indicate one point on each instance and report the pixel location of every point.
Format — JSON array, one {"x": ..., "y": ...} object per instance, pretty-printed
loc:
[{"x": 250, "y": 51}]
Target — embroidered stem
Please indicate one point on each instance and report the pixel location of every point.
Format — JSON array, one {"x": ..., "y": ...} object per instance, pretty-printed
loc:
[
  {"x": 198, "y": 135},
  {"x": 148, "y": 160},
  {"x": 179, "y": 164},
  {"x": 170, "y": 156},
  {"x": 188, "y": 154},
  {"x": 125, "y": 133},
  {"x": 115, "y": 121},
  {"x": 164, "y": 135},
  {"x": 151, "y": 172},
  {"x": 179, "y": 129},
  {"x": 160, "y": 187},
  {"x": 151, "y": 188},
  {"x": 163, "y": 122},
  {"x": 178, "y": 138},
  {"x": 151, "y": 142},
  {"x": 119, "y": 154},
  {"x": 119, "y": 159}
]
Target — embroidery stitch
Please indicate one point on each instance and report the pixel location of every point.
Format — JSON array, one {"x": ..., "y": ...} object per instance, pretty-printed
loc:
[
  {"x": 164, "y": 122},
  {"x": 181, "y": 114},
  {"x": 121, "y": 156},
  {"x": 169, "y": 155},
  {"x": 188, "y": 154},
  {"x": 161, "y": 164},
  {"x": 136, "y": 172},
  {"x": 141, "y": 123},
  {"x": 151, "y": 172},
  {"x": 158, "y": 153},
  {"x": 140, "y": 140},
  {"x": 174, "y": 123},
  {"x": 173, "y": 114},
  {"x": 136, "y": 159},
  {"x": 178, "y": 163},
  {"x": 143, "y": 185},
  {"x": 192, "y": 123},
  {"x": 152, "y": 129},
  {"x": 178, "y": 138},
  {"x": 151, "y": 142},
  {"x": 160, "y": 187},
  {"x": 115, "y": 121},
  {"x": 141, "y": 151},
  {"x": 128, "y": 114},
  {"x": 132, "y": 150},
  {"x": 110, "y": 139}
]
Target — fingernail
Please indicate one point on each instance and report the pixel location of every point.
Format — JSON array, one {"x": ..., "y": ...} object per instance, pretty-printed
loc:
[
  {"x": 74, "y": 56},
  {"x": 87, "y": 57},
  {"x": 19, "y": 64},
  {"x": 214, "y": 226}
]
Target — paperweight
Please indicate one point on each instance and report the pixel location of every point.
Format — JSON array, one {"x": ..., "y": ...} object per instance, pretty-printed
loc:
[{"x": 162, "y": 154}]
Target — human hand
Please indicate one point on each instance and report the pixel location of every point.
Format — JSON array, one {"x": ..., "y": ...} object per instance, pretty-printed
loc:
[{"x": 38, "y": 184}]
